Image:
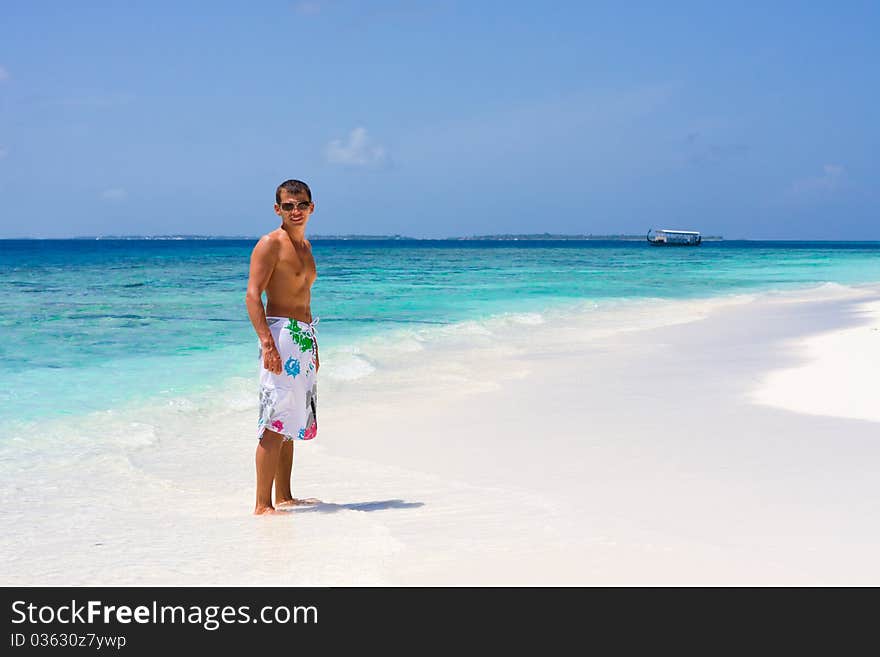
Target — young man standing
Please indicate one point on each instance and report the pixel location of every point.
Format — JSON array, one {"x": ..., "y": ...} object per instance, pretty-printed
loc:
[{"x": 282, "y": 266}]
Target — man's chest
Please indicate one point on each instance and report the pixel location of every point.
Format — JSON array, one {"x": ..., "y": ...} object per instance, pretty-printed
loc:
[{"x": 297, "y": 263}]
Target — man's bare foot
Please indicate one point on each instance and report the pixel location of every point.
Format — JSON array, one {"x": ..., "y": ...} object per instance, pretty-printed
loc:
[
  {"x": 307, "y": 501},
  {"x": 264, "y": 511}
]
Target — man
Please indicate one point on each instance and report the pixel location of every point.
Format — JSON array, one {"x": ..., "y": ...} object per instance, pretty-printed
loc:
[{"x": 282, "y": 266}]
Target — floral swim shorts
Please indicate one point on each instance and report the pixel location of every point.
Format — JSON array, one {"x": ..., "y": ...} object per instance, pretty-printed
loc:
[{"x": 288, "y": 401}]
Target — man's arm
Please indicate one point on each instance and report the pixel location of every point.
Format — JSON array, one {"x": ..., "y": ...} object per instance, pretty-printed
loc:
[
  {"x": 263, "y": 259},
  {"x": 317, "y": 360}
]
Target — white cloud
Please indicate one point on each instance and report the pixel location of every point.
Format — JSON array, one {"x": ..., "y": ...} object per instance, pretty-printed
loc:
[
  {"x": 833, "y": 178},
  {"x": 358, "y": 150},
  {"x": 99, "y": 100},
  {"x": 4, "y": 74},
  {"x": 114, "y": 194},
  {"x": 307, "y": 8}
]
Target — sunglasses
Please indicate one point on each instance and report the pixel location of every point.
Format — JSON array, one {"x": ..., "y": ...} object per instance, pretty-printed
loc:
[{"x": 302, "y": 206}]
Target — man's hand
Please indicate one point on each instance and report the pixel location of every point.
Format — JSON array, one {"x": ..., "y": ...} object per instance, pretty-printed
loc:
[{"x": 271, "y": 357}]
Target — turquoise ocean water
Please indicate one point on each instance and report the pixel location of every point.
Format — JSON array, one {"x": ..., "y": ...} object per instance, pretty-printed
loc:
[{"x": 88, "y": 325}]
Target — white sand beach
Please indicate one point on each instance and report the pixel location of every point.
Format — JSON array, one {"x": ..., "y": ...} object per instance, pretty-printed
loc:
[
  {"x": 838, "y": 376},
  {"x": 718, "y": 442}
]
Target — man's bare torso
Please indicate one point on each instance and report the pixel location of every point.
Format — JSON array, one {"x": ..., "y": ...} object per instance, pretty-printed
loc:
[{"x": 289, "y": 290}]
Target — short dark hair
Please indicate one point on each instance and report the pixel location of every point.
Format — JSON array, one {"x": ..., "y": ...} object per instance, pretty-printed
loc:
[{"x": 293, "y": 187}]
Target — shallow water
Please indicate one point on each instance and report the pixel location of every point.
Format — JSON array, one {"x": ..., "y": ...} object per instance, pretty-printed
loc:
[{"x": 88, "y": 325}]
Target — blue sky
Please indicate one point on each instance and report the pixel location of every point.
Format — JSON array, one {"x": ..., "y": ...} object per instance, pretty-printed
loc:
[{"x": 442, "y": 118}]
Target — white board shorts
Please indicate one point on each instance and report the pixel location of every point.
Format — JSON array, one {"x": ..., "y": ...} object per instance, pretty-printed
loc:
[{"x": 288, "y": 401}]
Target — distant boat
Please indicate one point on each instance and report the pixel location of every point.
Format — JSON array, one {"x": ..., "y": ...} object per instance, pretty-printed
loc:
[{"x": 667, "y": 237}]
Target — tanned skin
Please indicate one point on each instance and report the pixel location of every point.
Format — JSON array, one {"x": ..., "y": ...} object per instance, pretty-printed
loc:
[{"x": 282, "y": 266}]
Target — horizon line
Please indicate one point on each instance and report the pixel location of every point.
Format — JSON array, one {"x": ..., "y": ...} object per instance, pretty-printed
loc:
[{"x": 399, "y": 237}]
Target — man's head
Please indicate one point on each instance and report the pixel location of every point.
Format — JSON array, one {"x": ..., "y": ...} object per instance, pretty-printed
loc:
[
  {"x": 293, "y": 203},
  {"x": 294, "y": 187}
]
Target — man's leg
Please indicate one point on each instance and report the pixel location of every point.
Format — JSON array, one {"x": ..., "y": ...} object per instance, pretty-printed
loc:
[
  {"x": 283, "y": 495},
  {"x": 282, "y": 474},
  {"x": 267, "y": 457}
]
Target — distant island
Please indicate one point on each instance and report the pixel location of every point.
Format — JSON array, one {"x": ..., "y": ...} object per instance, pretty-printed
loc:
[
  {"x": 166, "y": 237},
  {"x": 537, "y": 237},
  {"x": 503, "y": 237}
]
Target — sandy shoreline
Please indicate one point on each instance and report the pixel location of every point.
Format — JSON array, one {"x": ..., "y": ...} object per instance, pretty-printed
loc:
[
  {"x": 545, "y": 454},
  {"x": 838, "y": 377}
]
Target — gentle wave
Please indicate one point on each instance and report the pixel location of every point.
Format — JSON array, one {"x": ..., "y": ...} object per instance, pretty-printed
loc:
[
  {"x": 393, "y": 356},
  {"x": 99, "y": 324}
]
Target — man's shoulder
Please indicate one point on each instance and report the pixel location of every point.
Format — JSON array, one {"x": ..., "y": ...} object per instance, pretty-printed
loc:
[
  {"x": 276, "y": 237},
  {"x": 269, "y": 243}
]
